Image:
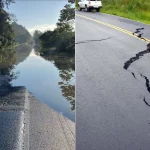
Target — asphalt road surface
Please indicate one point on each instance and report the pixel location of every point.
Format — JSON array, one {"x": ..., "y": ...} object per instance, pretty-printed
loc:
[
  {"x": 112, "y": 83},
  {"x": 28, "y": 124}
]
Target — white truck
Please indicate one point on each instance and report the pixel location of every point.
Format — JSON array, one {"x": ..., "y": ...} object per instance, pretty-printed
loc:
[{"x": 88, "y": 5}]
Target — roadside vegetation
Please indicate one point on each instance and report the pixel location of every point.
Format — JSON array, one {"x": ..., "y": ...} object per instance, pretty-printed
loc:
[
  {"x": 58, "y": 46},
  {"x": 7, "y": 38},
  {"x": 62, "y": 39},
  {"x": 133, "y": 9},
  {"x": 13, "y": 37},
  {"x": 138, "y": 10}
]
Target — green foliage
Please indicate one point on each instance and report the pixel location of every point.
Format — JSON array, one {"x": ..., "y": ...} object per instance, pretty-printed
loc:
[
  {"x": 71, "y": 1},
  {"x": 66, "y": 67},
  {"x": 66, "y": 42},
  {"x": 36, "y": 40},
  {"x": 22, "y": 52},
  {"x": 6, "y": 55},
  {"x": 7, "y": 60},
  {"x": 6, "y": 32},
  {"x": 134, "y": 9},
  {"x": 62, "y": 38},
  {"x": 21, "y": 33},
  {"x": 76, "y": 3},
  {"x": 36, "y": 36},
  {"x": 60, "y": 43},
  {"x": 5, "y": 3},
  {"x": 7, "y": 41},
  {"x": 66, "y": 14}
]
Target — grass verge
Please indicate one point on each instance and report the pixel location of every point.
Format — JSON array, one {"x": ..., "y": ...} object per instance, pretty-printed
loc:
[{"x": 138, "y": 10}]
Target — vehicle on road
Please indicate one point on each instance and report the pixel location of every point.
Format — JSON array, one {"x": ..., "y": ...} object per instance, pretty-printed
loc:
[{"x": 88, "y": 5}]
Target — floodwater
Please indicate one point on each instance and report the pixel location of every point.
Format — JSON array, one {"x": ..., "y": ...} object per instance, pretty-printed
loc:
[{"x": 51, "y": 80}]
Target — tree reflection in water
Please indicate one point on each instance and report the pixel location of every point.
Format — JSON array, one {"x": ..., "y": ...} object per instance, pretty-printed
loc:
[
  {"x": 66, "y": 67},
  {"x": 8, "y": 59}
]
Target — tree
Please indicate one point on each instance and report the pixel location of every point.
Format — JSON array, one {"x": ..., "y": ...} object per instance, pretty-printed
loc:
[
  {"x": 6, "y": 39},
  {"x": 36, "y": 36},
  {"x": 66, "y": 20},
  {"x": 66, "y": 67},
  {"x": 6, "y": 32},
  {"x": 71, "y": 1},
  {"x": 63, "y": 37},
  {"x": 67, "y": 14},
  {"x": 6, "y": 2},
  {"x": 12, "y": 18},
  {"x": 47, "y": 39}
]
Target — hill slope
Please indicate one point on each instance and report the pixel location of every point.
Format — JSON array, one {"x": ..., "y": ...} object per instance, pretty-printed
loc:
[{"x": 21, "y": 34}]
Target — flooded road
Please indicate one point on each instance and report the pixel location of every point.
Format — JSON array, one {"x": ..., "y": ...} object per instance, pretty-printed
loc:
[{"x": 45, "y": 81}]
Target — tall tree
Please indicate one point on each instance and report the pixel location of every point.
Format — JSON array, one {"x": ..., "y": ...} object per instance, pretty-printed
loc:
[
  {"x": 63, "y": 37},
  {"x": 67, "y": 17},
  {"x": 6, "y": 32},
  {"x": 6, "y": 38},
  {"x": 36, "y": 36},
  {"x": 6, "y": 3}
]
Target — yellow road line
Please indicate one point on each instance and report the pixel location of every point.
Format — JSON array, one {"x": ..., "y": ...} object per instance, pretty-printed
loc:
[{"x": 115, "y": 27}]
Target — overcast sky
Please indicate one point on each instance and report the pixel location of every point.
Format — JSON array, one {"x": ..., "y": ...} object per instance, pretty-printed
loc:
[{"x": 37, "y": 14}]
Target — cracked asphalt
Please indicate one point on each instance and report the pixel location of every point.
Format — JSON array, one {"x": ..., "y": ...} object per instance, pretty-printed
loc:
[{"x": 112, "y": 84}]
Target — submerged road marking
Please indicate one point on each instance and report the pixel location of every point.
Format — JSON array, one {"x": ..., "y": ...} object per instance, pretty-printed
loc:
[{"x": 115, "y": 27}]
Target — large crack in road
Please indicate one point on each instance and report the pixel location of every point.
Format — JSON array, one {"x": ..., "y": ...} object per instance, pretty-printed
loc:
[
  {"x": 146, "y": 102},
  {"x": 135, "y": 58},
  {"x": 147, "y": 83},
  {"x": 86, "y": 41}
]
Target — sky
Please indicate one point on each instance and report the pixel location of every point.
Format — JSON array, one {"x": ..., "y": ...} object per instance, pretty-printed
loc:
[{"x": 37, "y": 14}]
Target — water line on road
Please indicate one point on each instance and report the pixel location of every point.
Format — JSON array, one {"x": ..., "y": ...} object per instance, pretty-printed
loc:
[{"x": 43, "y": 77}]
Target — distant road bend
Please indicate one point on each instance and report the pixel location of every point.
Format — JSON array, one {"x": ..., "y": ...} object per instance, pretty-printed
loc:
[{"x": 112, "y": 83}]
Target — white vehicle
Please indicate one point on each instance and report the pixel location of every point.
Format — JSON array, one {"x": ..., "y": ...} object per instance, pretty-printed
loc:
[{"x": 90, "y": 4}]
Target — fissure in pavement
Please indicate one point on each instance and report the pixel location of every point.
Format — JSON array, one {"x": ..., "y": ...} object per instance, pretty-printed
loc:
[
  {"x": 86, "y": 41},
  {"x": 135, "y": 58},
  {"x": 146, "y": 102}
]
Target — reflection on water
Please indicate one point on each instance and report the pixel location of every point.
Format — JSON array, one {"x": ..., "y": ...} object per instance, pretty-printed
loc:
[
  {"x": 22, "y": 52},
  {"x": 66, "y": 66},
  {"x": 7, "y": 60},
  {"x": 51, "y": 79}
]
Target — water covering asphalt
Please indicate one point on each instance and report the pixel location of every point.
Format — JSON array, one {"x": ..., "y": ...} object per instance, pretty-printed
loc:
[
  {"x": 26, "y": 123},
  {"x": 13, "y": 119}
]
